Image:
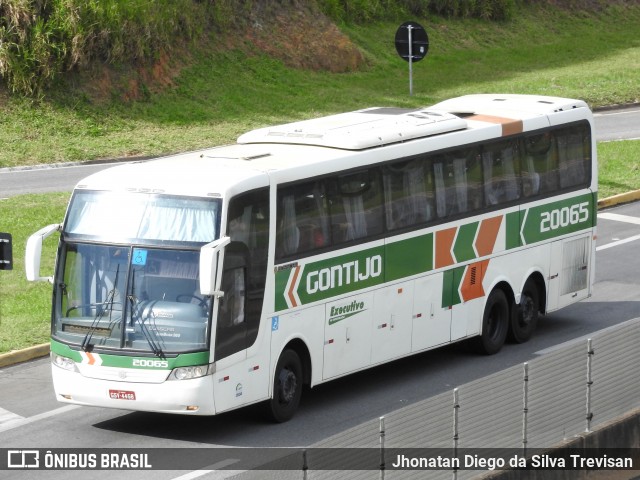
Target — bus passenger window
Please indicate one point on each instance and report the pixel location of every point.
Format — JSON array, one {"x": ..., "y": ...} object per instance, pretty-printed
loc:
[
  {"x": 302, "y": 219},
  {"x": 458, "y": 180},
  {"x": 408, "y": 191},
  {"x": 540, "y": 165},
  {"x": 500, "y": 165},
  {"x": 356, "y": 206},
  {"x": 233, "y": 303},
  {"x": 574, "y": 155}
]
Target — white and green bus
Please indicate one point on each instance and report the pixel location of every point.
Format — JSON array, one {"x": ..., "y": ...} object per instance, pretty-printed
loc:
[{"x": 207, "y": 281}]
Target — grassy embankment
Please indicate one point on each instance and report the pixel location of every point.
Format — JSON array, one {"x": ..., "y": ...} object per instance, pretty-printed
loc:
[{"x": 213, "y": 94}]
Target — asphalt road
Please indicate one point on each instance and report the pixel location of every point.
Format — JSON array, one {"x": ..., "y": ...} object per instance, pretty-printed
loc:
[
  {"x": 30, "y": 417},
  {"x": 609, "y": 125},
  {"x": 618, "y": 124}
]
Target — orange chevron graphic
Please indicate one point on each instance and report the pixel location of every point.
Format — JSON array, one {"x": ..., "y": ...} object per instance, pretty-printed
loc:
[
  {"x": 444, "y": 242},
  {"x": 292, "y": 287},
  {"x": 92, "y": 359},
  {"x": 471, "y": 286},
  {"x": 487, "y": 235}
]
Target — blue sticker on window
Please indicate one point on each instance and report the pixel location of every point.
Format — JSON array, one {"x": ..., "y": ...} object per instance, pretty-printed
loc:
[
  {"x": 139, "y": 257},
  {"x": 275, "y": 323}
]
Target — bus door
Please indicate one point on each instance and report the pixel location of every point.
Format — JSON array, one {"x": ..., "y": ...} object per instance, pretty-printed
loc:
[
  {"x": 348, "y": 335},
  {"x": 431, "y": 320},
  {"x": 392, "y": 322},
  {"x": 241, "y": 377},
  {"x": 569, "y": 271}
]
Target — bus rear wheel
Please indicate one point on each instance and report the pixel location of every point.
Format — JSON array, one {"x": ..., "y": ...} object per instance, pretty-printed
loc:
[
  {"x": 495, "y": 324},
  {"x": 525, "y": 316},
  {"x": 287, "y": 387}
]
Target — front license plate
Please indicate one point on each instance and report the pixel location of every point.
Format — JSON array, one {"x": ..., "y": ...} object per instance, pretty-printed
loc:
[{"x": 122, "y": 395}]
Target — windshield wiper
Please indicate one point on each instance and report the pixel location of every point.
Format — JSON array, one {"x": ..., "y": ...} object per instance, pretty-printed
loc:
[
  {"x": 108, "y": 304},
  {"x": 134, "y": 302},
  {"x": 155, "y": 348}
]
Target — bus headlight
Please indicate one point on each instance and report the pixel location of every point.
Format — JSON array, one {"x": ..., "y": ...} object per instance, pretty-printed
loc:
[
  {"x": 187, "y": 373},
  {"x": 63, "y": 362}
]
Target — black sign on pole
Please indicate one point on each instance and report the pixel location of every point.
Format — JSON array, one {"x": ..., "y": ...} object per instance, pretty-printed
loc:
[
  {"x": 412, "y": 44},
  {"x": 6, "y": 252}
]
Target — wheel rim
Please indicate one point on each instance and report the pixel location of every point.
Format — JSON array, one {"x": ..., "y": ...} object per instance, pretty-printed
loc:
[
  {"x": 288, "y": 384},
  {"x": 496, "y": 321},
  {"x": 527, "y": 309}
]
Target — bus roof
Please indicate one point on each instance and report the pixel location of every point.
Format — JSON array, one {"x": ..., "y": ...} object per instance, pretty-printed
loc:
[
  {"x": 338, "y": 142},
  {"x": 371, "y": 127},
  {"x": 518, "y": 106},
  {"x": 375, "y": 127}
]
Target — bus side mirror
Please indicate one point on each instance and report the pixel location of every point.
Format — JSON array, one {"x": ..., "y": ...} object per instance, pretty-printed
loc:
[
  {"x": 6, "y": 252},
  {"x": 209, "y": 259},
  {"x": 34, "y": 253}
]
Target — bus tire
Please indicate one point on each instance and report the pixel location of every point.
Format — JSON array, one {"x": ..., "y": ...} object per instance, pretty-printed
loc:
[
  {"x": 495, "y": 324},
  {"x": 525, "y": 316},
  {"x": 287, "y": 387}
]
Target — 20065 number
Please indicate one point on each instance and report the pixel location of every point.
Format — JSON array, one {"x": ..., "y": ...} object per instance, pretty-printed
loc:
[{"x": 563, "y": 217}]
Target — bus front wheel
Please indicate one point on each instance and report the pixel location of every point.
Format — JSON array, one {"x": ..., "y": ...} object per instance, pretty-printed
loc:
[
  {"x": 495, "y": 324},
  {"x": 287, "y": 387}
]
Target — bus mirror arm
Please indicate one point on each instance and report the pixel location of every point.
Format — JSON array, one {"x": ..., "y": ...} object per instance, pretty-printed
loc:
[
  {"x": 33, "y": 253},
  {"x": 209, "y": 274}
]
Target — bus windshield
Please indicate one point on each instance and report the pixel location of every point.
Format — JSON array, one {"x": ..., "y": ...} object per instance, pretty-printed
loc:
[
  {"x": 142, "y": 218},
  {"x": 133, "y": 298},
  {"x": 128, "y": 275}
]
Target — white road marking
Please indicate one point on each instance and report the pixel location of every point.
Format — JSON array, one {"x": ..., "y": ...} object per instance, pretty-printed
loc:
[
  {"x": 620, "y": 218},
  {"x": 218, "y": 474},
  {"x": 7, "y": 417},
  {"x": 616, "y": 112},
  {"x": 19, "y": 422},
  {"x": 618, "y": 243}
]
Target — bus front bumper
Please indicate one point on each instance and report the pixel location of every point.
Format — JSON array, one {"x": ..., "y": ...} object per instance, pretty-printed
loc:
[{"x": 187, "y": 397}]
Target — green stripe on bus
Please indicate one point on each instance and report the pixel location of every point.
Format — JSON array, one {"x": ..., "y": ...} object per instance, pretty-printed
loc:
[
  {"x": 126, "y": 361},
  {"x": 340, "y": 275},
  {"x": 397, "y": 260},
  {"x": 282, "y": 277},
  {"x": 463, "y": 246},
  {"x": 451, "y": 280},
  {"x": 555, "y": 219},
  {"x": 513, "y": 230},
  {"x": 65, "y": 351},
  {"x": 409, "y": 257}
]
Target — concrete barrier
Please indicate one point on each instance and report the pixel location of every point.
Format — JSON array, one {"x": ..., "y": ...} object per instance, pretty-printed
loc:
[
  {"x": 622, "y": 432},
  {"x": 24, "y": 355}
]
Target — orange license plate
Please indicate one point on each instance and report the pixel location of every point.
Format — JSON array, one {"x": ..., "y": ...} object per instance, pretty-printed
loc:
[{"x": 122, "y": 395}]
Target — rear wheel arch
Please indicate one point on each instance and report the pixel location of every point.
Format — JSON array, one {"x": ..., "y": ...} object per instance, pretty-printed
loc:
[
  {"x": 532, "y": 303},
  {"x": 495, "y": 319},
  {"x": 300, "y": 347},
  {"x": 537, "y": 279}
]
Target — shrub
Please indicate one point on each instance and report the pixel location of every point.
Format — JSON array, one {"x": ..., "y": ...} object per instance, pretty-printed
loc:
[
  {"x": 39, "y": 39},
  {"x": 360, "y": 11}
]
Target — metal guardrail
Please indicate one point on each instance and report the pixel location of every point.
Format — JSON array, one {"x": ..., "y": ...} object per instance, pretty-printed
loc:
[{"x": 563, "y": 393}]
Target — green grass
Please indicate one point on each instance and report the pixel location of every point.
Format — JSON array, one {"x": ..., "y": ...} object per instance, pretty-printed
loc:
[
  {"x": 25, "y": 307},
  {"x": 619, "y": 167},
  {"x": 220, "y": 94}
]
